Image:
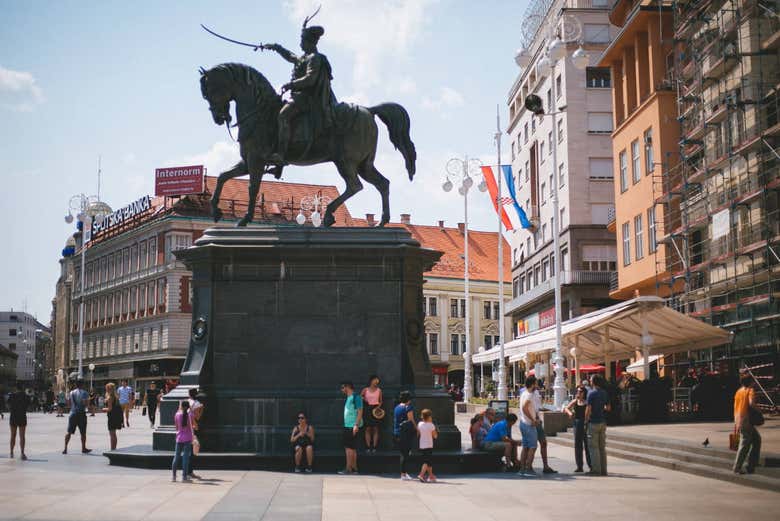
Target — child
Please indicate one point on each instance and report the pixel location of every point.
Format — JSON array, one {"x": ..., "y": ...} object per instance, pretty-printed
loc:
[
  {"x": 183, "y": 423},
  {"x": 427, "y": 432}
]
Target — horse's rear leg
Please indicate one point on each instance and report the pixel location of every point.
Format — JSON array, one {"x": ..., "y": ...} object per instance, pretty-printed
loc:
[
  {"x": 238, "y": 170},
  {"x": 349, "y": 173},
  {"x": 369, "y": 172}
]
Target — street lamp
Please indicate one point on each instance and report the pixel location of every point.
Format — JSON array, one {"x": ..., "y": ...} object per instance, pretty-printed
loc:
[
  {"x": 464, "y": 170},
  {"x": 91, "y": 376},
  {"x": 555, "y": 52},
  {"x": 87, "y": 208},
  {"x": 314, "y": 205}
]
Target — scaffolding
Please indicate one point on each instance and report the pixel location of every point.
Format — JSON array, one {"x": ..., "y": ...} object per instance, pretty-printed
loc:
[{"x": 719, "y": 197}]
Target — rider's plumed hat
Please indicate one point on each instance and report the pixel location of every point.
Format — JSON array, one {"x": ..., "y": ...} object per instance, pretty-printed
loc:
[{"x": 312, "y": 33}]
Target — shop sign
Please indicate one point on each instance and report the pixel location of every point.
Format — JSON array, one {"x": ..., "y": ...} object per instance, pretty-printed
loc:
[
  {"x": 546, "y": 318},
  {"x": 120, "y": 216},
  {"x": 178, "y": 180}
]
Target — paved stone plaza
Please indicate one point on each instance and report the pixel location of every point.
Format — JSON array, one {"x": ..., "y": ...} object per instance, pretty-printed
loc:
[{"x": 51, "y": 486}]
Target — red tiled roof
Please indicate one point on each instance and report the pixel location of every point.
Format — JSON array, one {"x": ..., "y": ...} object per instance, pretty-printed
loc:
[{"x": 483, "y": 251}]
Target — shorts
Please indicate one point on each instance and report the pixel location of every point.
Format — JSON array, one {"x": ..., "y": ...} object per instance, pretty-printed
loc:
[
  {"x": 494, "y": 446},
  {"x": 18, "y": 420},
  {"x": 125, "y": 406},
  {"x": 348, "y": 438},
  {"x": 427, "y": 456},
  {"x": 79, "y": 420},
  {"x": 530, "y": 436},
  {"x": 540, "y": 435}
]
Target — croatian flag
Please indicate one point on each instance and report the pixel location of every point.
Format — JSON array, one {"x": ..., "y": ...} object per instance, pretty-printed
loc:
[
  {"x": 510, "y": 183},
  {"x": 492, "y": 187}
]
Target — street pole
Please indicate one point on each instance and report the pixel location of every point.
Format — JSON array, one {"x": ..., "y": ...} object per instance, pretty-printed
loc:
[
  {"x": 559, "y": 387},
  {"x": 81, "y": 297},
  {"x": 467, "y": 386},
  {"x": 502, "y": 387}
]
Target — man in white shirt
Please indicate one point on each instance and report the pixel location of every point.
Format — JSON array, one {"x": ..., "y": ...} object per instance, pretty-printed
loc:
[
  {"x": 529, "y": 418},
  {"x": 540, "y": 435}
]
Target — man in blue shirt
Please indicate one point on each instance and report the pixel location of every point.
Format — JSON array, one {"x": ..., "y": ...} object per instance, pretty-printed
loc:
[
  {"x": 126, "y": 400},
  {"x": 499, "y": 439},
  {"x": 353, "y": 421},
  {"x": 595, "y": 419},
  {"x": 79, "y": 400}
]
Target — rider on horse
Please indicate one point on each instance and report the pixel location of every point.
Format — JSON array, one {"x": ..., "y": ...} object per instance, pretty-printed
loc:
[{"x": 309, "y": 88}]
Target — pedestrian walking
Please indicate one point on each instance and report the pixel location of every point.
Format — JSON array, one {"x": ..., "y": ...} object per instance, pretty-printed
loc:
[
  {"x": 152, "y": 399},
  {"x": 79, "y": 401},
  {"x": 372, "y": 398},
  {"x": 745, "y": 421},
  {"x": 353, "y": 421},
  {"x": 18, "y": 402},
  {"x": 196, "y": 413},
  {"x": 183, "y": 421},
  {"x": 596, "y": 421},
  {"x": 541, "y": 436},
  {"x": 427, "y": 432},
  {"x": 529, "y": 420},
  {"x": 404, "y": 430},
  {"x": 302, "y": 439},
  {"x": 113, "y": 413},
  {"x": 576, "y": 411},
  {"x": 126, "y": 399},
  {"x": 61, "y": 404}
]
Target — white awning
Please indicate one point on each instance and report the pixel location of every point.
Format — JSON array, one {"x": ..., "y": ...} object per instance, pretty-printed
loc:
[
  {"x": 617, "y": 331},
  {"x": 640, "y": 363}
]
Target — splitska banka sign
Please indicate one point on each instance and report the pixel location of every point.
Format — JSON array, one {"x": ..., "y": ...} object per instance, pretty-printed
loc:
[{"x": 120, "y": 216}]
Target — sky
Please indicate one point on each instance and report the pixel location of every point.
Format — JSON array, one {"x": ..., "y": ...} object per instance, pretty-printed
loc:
[{"x": 119, "y": 80}]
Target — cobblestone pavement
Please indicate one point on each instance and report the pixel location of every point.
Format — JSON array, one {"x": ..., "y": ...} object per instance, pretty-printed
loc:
[{"x": 52, "y": 486}]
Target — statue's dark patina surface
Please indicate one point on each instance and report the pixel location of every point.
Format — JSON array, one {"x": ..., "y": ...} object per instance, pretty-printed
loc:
[{"x": 310, "y": 128}]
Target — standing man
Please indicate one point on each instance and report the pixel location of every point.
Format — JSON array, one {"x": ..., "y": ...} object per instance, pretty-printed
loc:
[
  {"x": 749, "y": 439},
  {"x": 353, "y": 420},
  {"x": 196, "y": 412},
  {"x": 152, "y": 399},
  {"x": 540, "y": 434},
  {"x": 529, "y": 419},
  {"x": 79, "y": 401},
  {"x": 126, "y": 400},
  {"x": 18, "y": 402},
  {"x": 595, "y": 419}
]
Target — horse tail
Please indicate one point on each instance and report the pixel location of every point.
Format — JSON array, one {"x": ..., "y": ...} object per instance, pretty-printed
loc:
[{"x": 396, "y": 119}]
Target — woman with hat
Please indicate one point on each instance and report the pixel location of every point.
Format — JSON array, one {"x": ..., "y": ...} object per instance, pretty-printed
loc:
[{"x": 372, "y": 398}]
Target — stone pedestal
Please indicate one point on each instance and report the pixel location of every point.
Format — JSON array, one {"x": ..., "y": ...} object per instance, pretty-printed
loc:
[{"x": 282, "y": 314}]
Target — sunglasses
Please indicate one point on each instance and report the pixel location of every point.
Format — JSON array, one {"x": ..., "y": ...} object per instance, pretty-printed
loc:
[{"x": 301, "y": 417}]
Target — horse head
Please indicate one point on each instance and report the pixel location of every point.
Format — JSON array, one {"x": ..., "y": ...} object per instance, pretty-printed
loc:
[{"x": 215, "y": 88}]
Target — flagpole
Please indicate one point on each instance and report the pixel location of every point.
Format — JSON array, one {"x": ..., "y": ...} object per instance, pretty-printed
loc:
[{"x": 502, "y": 386}]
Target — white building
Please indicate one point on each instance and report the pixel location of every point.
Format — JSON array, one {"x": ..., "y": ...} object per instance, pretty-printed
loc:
[
  {"x": 584, "y": 167},
  {"x": 17, "y": 333}
]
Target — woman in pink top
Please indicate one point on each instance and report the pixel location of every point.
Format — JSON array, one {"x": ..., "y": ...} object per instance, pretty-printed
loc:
[
  {"x": 183, "y": 421},
  {"x": 372, "y": 399}
]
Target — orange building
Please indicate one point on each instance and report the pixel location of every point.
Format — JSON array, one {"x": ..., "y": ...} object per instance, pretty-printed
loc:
[{"x": 645, "y": 139}]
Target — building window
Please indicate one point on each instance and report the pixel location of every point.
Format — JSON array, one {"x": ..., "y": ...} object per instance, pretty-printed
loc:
[
  {"x": 521, "y": 285},
  {"x": 454, "y": 308},
  {"x": 433, "y": 343},
  {"x": 525, "y": 133},
  {"x": 462, "y": 308},
  {"x": 550, "y": 141},
  {"x": 12, "y": 346},
  {"x": 560, "y": 131},
  {"x": 639, "y": 241},
  {"x": 626, "y": 244},
  {"x": 541, "y": 152},
  {"x": 552, "y": 265},
  {"x": 623, "y": 171},
  {"x": 649, "y": 161},
  {"x": 12, "y": 332},
  {"x": 527, "y": 172},
  {"x": 133, "y": 258},
  {"x": 549, "y": 101},
  {"x": 545, "y": 268},
  {"x": 529, "y": 278},
  {"x": 558, "y": 87},
  {"x": 600, "y": 122},
  {"x": 462, "y": 344},
  {"x": 432, "y": 306},
  {"x": 636, "y": 173},
  {"x": 537, "y": 272},
  {"x": 515, "y": 287},
  {"x": 174, "y": 242},
  {"x": 533, "y": 124},
  {"x": 544, "y": 234},
  {"x": 543, "y": 193},
  {"x": 487, "y": 309},
  {"x": 496, "y": 310},
  {"x": 597, "y": 78},
  {"x": 152, "y": 251},
  {"x": 652, "y": 242},
  {"x": 142, "y": 258},
  {"x": 126, "y": 256},
  {"x": 600, "y": 168},
  {"x": 454, "y": 341},
  {"x": 552, "y": 185},
  {"x": 161, "y": 283},
  {"x": 561, "y": 178},
  {"x": 488, "y": 340}
]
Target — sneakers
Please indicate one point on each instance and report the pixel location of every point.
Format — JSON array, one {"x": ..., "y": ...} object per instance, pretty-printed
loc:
[
  {"x": 345, "y": 472},
  {"x": 298, "y": 470},
  {"x": 194, "y": 476},
  {"x": 422, "y": 479},
  {"x": 549, "y": 470},
  {"x": 579, "y": 469},
  {"x": 406, "y": 477},
  {"x": 308, "y": 470}
]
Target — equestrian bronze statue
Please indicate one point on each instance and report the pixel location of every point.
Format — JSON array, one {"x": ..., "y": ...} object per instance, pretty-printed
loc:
[{"x": 310, "y": 128}]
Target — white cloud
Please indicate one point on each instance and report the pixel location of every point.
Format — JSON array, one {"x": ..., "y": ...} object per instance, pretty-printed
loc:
[
  {"x": 372, "y": 32},
  {"x": 448, "y": 98},
  {"x": 221, "y": 156},
  {"x": 18, "y": 90}
]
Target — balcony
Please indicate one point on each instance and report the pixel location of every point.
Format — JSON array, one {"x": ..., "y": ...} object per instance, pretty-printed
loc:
[{"x": 568, "y": 278}]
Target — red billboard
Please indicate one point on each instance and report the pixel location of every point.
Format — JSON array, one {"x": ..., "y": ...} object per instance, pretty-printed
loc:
[
  {"x": 546, "y": 318},
  {"x": 178, "y": 180}
]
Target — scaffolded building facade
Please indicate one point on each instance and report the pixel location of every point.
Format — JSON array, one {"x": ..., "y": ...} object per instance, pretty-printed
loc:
[{"x": 719, "y": 198}]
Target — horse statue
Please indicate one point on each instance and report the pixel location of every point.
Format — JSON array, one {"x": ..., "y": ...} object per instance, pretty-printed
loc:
[{"x": 350, "y": 143}]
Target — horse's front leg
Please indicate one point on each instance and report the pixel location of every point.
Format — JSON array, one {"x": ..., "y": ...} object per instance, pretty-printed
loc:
[
  {"x": 256, "y": 170},
  {"x": 238, "y": 170}
]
